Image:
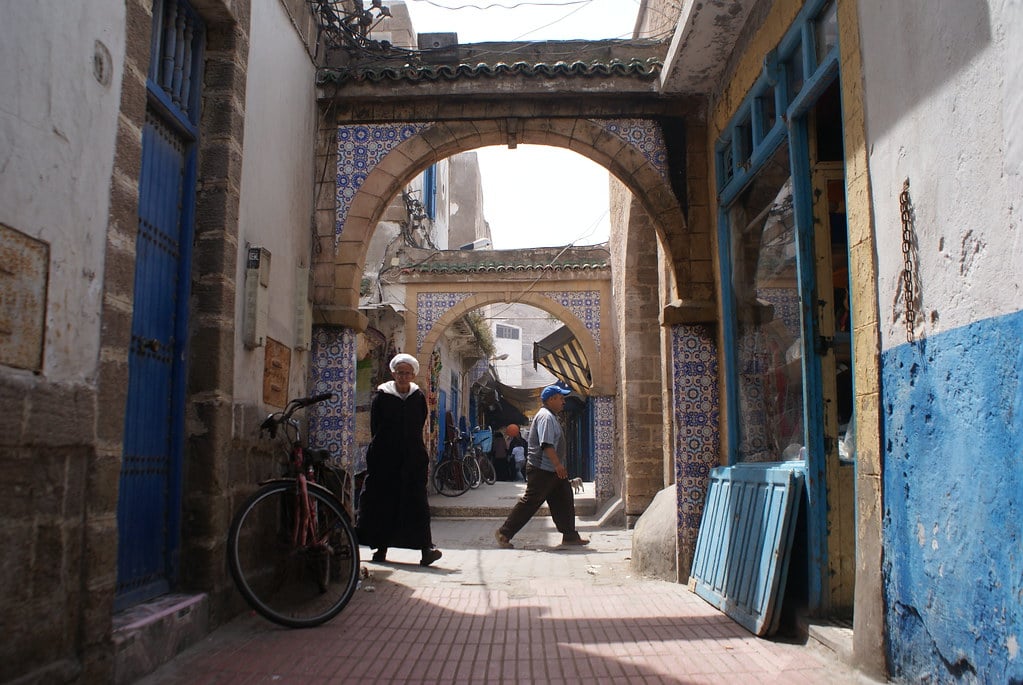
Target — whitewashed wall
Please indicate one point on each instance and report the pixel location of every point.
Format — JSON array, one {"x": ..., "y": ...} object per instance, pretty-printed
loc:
[
  {"x": 57, "y": 129},
  {"x": 278, "y": 171},
  {"x": 943, "y": 108},
  {"x": 936, "y": 74}
]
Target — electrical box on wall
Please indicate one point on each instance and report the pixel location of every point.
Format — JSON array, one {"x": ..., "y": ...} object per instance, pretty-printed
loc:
[
  {"x": 303, "y": 310},
  {"x": 257, "y": 296}
]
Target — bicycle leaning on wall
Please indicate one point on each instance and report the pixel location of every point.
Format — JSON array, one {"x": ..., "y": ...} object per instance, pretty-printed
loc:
[
  {"x": 291, "y": 547},
  {"x": 480, "y": 449},
  {"x": 455, "y": 473}
]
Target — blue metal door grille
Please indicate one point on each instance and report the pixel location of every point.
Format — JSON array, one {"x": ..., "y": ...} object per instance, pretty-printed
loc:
[
  {"x": 743, "y": 548},
  {"x": 149, "y": 499}
]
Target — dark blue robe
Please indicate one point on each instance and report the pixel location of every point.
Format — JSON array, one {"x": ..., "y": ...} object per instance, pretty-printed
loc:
[{"x": 393, "y": 506}]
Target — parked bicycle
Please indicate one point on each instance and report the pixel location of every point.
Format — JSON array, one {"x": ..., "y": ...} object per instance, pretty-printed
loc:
[
  {"x": 482, "y": 445},
  {"x": 456, "y": 472},
  {"x": 291, "y": 547},
  {"x": 462, "y": 468}
]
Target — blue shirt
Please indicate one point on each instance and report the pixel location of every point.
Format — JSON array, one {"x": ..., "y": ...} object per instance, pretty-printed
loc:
[{"x": 545, "y": 428}]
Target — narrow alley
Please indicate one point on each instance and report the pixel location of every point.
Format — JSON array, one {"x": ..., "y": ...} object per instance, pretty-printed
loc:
[{"x": 533, "y": 614}]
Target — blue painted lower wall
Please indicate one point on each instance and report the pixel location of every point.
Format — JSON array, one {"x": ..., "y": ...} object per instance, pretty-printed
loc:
[{"x": 953, "y": 502}]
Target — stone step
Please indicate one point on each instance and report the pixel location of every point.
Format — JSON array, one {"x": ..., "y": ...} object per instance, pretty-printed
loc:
[
  {"x": 150, "y": 634},
  {"x": 495, "y": 501}
]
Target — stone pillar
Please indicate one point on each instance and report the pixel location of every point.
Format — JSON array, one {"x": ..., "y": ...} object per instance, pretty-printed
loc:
[{"x": 635, "y": 273}]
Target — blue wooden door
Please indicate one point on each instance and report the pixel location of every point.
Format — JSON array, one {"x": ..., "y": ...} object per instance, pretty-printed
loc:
[{"x": 149, "y": 500}]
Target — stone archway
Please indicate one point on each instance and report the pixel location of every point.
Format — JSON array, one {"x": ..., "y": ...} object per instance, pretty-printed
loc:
[
  {"x": 560, "y": 301},
  {"x": 424, "y": 336},
  {"x": 375, "y": 161}
]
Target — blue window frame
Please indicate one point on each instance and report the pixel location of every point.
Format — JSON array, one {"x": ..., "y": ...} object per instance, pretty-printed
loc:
[
  {"x": 430, "y": 192},
  {"x": 772, "y": 114},
  {"x": 767, "y": 139}
]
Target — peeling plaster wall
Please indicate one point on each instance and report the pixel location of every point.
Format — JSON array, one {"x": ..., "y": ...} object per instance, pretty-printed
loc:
[
  {"x": 943, "y": 109},
  {"x": 277, "y": 186},
  {"x": 57, "y": 131}
]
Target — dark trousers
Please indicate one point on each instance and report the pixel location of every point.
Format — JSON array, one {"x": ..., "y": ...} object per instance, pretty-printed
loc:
[{"x": 543, "y": 486}]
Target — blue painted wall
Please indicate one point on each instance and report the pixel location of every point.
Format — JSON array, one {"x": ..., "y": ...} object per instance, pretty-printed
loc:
[{"x": 953, "y": 498}]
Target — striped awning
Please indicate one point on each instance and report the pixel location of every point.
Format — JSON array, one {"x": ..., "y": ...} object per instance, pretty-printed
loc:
[{"x": 562, "y": 355}]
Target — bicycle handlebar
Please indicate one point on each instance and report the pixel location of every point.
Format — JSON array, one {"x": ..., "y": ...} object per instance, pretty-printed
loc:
[{"x": 271, "y": 422}]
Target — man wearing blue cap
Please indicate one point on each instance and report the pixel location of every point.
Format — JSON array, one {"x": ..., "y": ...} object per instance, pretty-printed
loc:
[{"x": 546, "y": 475}]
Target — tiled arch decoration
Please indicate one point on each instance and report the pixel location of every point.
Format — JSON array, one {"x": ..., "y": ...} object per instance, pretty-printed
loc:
[
  {"x": 361, "y": 147},
  {"x": 430, "y": 307},
  {"x": 585, "y": 305},
  {"x": 603, "y": 445},
  {"x": 332, "y": 369},
  {"x": 696, "y": 421}
]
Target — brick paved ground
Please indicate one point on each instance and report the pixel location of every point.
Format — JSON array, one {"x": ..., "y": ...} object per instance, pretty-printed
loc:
[{"x": 534, "y": 614}]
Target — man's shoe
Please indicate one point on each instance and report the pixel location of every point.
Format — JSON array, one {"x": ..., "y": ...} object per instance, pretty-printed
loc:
[
  {"x": 502, "y": 540},
  {"x": 430, "y": 556},
  {"x": 577, "y": 542},
  {"x": 380, "y": 556}
]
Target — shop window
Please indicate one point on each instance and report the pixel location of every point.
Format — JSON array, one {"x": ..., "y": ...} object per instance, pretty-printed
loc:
[{"x": 767, "y": 315}]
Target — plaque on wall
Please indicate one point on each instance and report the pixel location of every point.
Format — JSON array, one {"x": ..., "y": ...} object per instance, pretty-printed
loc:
[
  {"x": 276, "y": 371},
  {"x": 24, "y": 273}
]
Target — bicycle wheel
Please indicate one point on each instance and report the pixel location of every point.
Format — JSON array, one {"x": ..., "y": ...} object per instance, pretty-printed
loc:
[
  {"x": 472, "y": 471},
  {"x": 486, "y": 468},
  {"x": 292, "y": 584},
  {"x": 449, "y": 478}
]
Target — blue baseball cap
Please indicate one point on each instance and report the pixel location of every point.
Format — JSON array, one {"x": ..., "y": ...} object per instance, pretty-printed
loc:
[{"x": 552, "y": 390}]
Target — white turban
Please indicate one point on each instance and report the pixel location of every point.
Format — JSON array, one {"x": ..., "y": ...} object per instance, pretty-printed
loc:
[{"x": 405, "y": 359}]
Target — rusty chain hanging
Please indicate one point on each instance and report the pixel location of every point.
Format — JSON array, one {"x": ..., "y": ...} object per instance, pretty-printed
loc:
[{"x": 908, "y": 287}]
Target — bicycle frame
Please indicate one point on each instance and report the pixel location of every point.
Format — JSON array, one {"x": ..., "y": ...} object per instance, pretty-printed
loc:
[
  {"x": 294, "y": 456},
  {"x": 294, "y": 532}
]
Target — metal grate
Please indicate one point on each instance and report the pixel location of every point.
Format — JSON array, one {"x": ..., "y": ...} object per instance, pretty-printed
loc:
[{"x": 176, "y": 57}]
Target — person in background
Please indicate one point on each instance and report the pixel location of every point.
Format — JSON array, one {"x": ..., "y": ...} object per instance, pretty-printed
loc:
[
  {"x": 393, "y": 507},
  {"x": 503, "y": 463},
  {"x": 516, "y": 447},
  {"x": 546, "y": 475}
]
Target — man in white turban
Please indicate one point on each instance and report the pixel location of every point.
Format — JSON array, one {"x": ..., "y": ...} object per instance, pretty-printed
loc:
[
  {"x": 403, "y": 358},
  {"x": 393, "y": 506}
]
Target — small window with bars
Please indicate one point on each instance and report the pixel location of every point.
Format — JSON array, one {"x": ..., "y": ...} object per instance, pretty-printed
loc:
[
  {"x": 506, "y": 332},
  {"x": 177, "y": 52}
]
